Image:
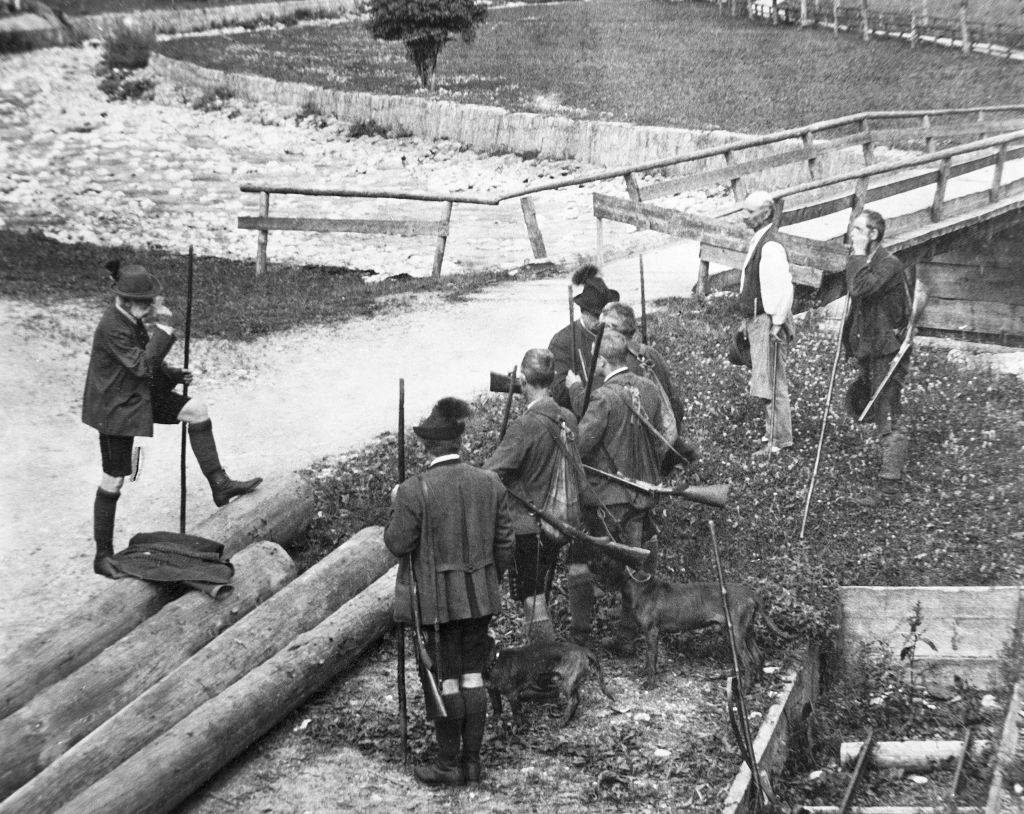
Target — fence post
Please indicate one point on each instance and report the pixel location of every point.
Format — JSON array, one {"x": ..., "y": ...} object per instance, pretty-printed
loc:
[
  {"x": 913, "y": 31},
  {"x": 532, "y": 229},
  {"x": 924, "y": 14},
  {"x": 965, "y": 34},
  {"x": 929, "y": 141},
  {"x": 261, "y": 240},
  {"x": 737, "y": 186},
  {"x": 835, "y": 18},
  {"x": 442, "y": 239},
  {"x": 632, "y": 187},
  {"x": 812, "y": 160},
  {"x": 869, "y": 146},
  {"x": 860, "y": 198},
  {"x": 938, "y": 202},
  {"x": 995, "y": 191},
  {"x": 703, "y": 273},
  {"x": 981, "y": 119},
  {"x": 866, "y": 28},
  {"x": 804, "y": 22},
  {"x": 600, "y": 243}
]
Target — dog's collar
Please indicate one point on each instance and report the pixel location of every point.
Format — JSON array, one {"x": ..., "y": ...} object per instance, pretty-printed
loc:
[{"x": 633, "y": 575}]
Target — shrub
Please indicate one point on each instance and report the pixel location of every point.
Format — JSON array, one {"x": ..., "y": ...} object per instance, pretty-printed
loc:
[
  {"x": 127, "y": 46},
  {"x": 120, "y": 85},
  {"x": 367, "y": 127},
  {"x": 424, "y": 26},
  {"x": 213, "y": 98},
  {"x": 311, "y": 112}
]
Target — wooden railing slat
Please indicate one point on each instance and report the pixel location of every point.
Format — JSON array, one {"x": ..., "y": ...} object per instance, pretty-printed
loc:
[{"x": 363, "y": 226}]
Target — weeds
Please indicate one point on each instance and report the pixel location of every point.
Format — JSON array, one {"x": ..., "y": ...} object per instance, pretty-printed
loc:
[
  {"x": 372, "y": 127},
  {"x": 214, "y": 98},
  {"x": 126, "y": 47}
]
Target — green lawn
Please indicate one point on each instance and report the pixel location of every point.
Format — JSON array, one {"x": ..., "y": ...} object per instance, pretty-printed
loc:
[{"x": 678, "y": 64}]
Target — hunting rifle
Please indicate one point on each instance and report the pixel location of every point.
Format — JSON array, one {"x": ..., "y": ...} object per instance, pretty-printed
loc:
[
  {"x": 184, "y": 386},
  {"x": 643, "y": 303},
  {"x": 716, "y": 494},
  {"x": 512, "y": 382},
  {"x": 403, "y": 709},
  {"x": 633, "y": 557},
  {"x": 598, "y": 336},
  {"x": 431, "y": 691}
]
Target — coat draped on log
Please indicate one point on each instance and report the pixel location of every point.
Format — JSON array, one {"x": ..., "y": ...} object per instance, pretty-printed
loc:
[
  {"x": 160, "y": 776},
  {"x": 61, "y": 715},
  {"x": 279, "y": 512},
  {"x": 296, "y": 608}
]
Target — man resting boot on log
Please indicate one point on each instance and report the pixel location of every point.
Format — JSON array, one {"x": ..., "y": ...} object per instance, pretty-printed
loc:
[
  {"x": 128, "y": 388},
  {"x": 451, "y": 528},
  {"x": 539, "y": 460}
]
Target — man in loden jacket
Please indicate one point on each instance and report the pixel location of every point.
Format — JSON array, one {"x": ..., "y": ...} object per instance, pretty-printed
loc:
[
  {"x": 880, "y": 305},
  {"x": 128, "y": 388},
  {"x": 450, "y": 524},
  {"x": 537, "y": 455},
  {"x": 614, "y": 438}
]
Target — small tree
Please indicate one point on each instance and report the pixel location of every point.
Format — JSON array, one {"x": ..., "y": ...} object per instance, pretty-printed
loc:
[{"x": 424, "y": 26}]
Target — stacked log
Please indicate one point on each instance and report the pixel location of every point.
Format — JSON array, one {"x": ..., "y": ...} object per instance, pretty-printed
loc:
[
  {"x": 161, "y": 775},
  {"x": 279, "y": 513},
  {"x": 53, "y": 720},
  {"x": 297, "y": 608}
]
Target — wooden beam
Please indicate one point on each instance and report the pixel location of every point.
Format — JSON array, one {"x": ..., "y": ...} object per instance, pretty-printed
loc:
[
  {"x": 279, "y": 511},
  {"x": 975, "y": 317},
  {"x": 296, "y": 608},
  {"x": 975, "y": 282},
  {"x": 442, "y": 240},
  {"x": 358, "y": 225},
  {"x": 1007, "y": 750},
  {"x": 914, "y": 755},
  {"x": 160, "y": 776},
  {"x": 264, "y": 235},
  {"x": 532, "y": 229},
  {"x": 632, "y": 188},
  {"x": 42, "y": 730}
]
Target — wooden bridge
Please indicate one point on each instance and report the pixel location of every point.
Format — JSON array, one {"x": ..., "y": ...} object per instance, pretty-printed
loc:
[{"x": 950, "y": 189}]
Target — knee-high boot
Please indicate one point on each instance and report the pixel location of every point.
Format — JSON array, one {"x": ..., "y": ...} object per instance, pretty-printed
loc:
[
  {"x": 473, "y": 732},
  {"x": 579, "y": 589},
  {"x": 104, "y": 509},
  {"x": 447, "y": 770},
  {"x": 200, "y": 434}
]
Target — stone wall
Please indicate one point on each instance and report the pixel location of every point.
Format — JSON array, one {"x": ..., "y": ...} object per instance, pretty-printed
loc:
[
  {"x": 176, "y": 21},
  {"x": 496, "y": 130}
]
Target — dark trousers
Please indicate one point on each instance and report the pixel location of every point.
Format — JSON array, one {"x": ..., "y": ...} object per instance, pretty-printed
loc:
[{"x": 459, "y": 647}]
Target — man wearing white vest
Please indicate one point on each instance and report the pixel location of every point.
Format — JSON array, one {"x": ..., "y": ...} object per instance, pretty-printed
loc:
[{"x": 766, "y": 304}]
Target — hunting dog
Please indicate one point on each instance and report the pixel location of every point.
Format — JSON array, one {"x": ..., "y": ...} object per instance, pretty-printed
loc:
[
  {"x": 678, "y": 607},
  {"x": 542, "y": 670}
]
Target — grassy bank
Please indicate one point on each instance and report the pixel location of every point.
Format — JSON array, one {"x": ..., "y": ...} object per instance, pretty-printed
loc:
[
  {"x": 230, "y": 301},
  {"x": 655, "y": 63}
]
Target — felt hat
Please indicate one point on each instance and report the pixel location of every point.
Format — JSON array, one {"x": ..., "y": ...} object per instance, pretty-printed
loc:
[
  {"x": 739, "y": 349},
  {"x": 595, "y": 296},
  {"x": 135, "y": 283},
  {"x": 446, "y": 421}
]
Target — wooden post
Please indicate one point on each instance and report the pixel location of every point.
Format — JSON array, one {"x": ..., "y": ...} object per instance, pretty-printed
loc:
[
  {"x": 442, "y": 239},
  {"x": 261, "y": 241},
  {"x": 64, "y": 713},
  {"x": 869, "y": 147},
  {"x": 924, "y": 14},
  {"x": 296, "y": 608},
  {"x": 812, "y": 160},
  {"x": 1007, "y": 751},
  {"x": 599, "y": 260},
  {"x": 739, "y": 190},
  {"x": 981, "y": 119},
  {"x": 804, "y": 22},
  {"x": 965, "y": 34},
  {"x": 913, "y": 31},
  {"x": 835, "y": 18},
  {"x": 929, "y": 141},
  {"x": 865, "y": 27},
  {"x": 532, "y": 229},
  {"x": 280, "y": 513},
  {"x": 860, "y": 198},
  {"x": 160, "y": 776},
  {"x": 703, "y": 272},
  {"x": 632, "y": 188},
  {"x": 939, "y": 201},
  {"x": 996, "y": 190}
]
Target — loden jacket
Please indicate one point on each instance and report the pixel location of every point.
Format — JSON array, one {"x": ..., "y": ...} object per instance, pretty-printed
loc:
[
  {"x": 880, "y": 304},
  {"x": 459, "y": 534},
  {"x": 561, "y": 347}
]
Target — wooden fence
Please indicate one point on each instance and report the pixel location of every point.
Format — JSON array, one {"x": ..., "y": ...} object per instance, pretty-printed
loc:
[{"x": 734, "y": 164}]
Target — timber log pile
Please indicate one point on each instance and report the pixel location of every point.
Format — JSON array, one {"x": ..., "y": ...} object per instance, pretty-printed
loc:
[{"x": 138, "y": 703}]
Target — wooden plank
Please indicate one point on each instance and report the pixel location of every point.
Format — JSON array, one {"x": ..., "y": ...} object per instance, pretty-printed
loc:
[
  {"x": 995, "y": 190},
  {"x": 727, "y": 174},
  {"x": 773, "y": 736},
  {"x": 1007, "y": 750},
  {"x": 733, "y": 258},
  {"x": 632, "y": 187},
  {"x": 951, "y": 226},
  {"x": 975, "y": 282},
  {"x": 976, "y": 317},
  {"x": 939, "y": 200},
  {"x": 532, "y": 229},
  {"x": 404, "y": 228}
]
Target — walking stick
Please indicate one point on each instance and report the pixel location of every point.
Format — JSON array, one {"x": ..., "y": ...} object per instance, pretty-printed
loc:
[
  {"x": 403, "y": 710},
  {"x": 824, "y": 418},
  {"x": 184, "y": 386},
  {"x": 643, "y": 304},
  {"x": 774, "y": 346},
  {"x": 572, "y": 326}
]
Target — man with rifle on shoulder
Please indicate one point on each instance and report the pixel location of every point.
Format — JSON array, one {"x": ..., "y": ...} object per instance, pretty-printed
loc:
[
  {"x": 538, "y": 459},
  {"x": 615, "y": 437},
  {"x": 452, "y": 521}
]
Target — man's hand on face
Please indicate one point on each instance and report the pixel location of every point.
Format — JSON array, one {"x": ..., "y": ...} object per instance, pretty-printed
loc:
[
  {"x": 159, "y": 312},
  {"x": 571, "y": 378}
]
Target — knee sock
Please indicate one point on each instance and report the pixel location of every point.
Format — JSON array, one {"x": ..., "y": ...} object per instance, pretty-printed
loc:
[
  {"x": 103, "y": 510},
  {"x": 200, "y": 434}
]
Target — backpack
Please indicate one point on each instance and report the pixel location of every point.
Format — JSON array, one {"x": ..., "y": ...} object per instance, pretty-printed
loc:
[
  {"x": 667, "y": 424},
  {"x": 562, "y": 499}
]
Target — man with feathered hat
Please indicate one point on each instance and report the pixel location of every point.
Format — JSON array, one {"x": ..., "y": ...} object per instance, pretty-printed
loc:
[{"x": 450, "y": 525}]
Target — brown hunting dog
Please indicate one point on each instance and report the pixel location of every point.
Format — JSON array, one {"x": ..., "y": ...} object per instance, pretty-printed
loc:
[
  {"x": 677, "y": 607},
  {"x": 542, "y": 670}
]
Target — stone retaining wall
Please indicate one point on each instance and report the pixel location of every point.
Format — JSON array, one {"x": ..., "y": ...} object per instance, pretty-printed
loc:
[
  {"x": 177, "y": 21},
  {"x": 494, "y": 129}
]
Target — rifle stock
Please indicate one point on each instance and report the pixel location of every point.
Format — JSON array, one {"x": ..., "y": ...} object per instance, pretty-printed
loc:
[
  {"x": 633, "y": 557},
  {"x": 715, "y": 494},
  {"x": 500, "y": 383}
]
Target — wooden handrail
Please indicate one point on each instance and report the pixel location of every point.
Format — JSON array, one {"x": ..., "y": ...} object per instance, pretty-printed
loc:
[{"x": 396, "y": 194}]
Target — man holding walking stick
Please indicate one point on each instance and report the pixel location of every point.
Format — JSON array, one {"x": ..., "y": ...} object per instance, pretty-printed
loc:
[
  {"x": 881, "y": 304},
  {"x": 452, "y": 521},
  {"x": 766, "y": 303},
  {"x": 128, "y": 388}
]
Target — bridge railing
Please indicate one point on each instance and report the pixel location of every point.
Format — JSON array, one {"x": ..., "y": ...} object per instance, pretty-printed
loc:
[{"x": 731, "y": 164}]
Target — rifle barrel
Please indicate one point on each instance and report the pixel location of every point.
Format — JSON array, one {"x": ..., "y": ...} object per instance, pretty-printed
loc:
[{"x": 593, "y": 367}]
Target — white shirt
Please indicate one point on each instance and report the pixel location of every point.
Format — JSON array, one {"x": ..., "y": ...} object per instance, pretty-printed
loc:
[
  {"x": 440, "y": 459},
  {"x": 617, "y": 371},
  {"x": 775, "y": 275}
]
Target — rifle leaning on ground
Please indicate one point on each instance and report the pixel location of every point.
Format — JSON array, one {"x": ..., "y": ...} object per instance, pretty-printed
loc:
[
  {"x": 716, "y": 494},
  {"x": 633, "y": 557},
  {"x": 431, "y": 691}
]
